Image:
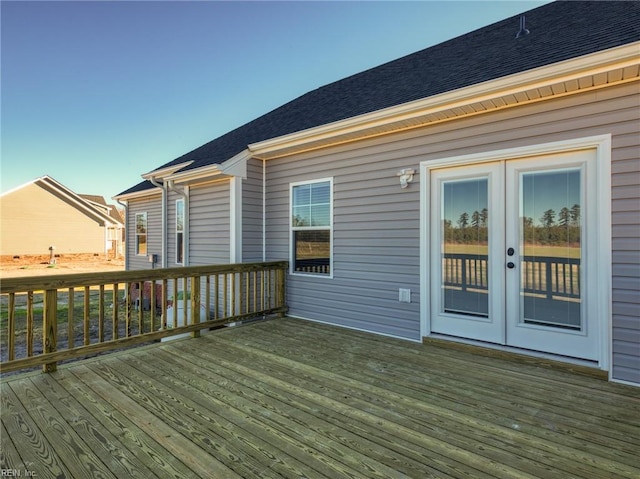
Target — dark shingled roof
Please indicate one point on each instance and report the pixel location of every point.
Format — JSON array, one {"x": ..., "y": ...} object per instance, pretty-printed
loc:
[{"x": 559, "y": 31}]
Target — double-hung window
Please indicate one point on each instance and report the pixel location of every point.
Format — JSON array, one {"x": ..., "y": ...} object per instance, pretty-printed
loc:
[
  {"x": 179, "y": 231},
  {"x": 312, "y": 227},
  {"x": 141, "y": 233}
]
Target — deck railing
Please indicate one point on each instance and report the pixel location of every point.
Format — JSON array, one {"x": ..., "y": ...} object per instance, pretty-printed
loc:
[
  {"x": 549, "y": 276},
  {"x": 47, "y": 319}
]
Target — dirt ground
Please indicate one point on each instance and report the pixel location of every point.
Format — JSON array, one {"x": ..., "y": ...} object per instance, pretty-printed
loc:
[{"x": 11, "y": 267}]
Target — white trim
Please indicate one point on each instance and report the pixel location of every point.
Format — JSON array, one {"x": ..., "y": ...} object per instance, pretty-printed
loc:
[
  {"x": 184, "y": 215},
  {"x": 264, "y": 210},
  {"x": 146, "y": 233},
  {"x": 353, "y": 328},
  {"x": 164, "y": 172},
  {"x": 235, "y": 219},
  {"x": 236, "y": 165},
  {"x": 329, "y": 228},
  {"x": 622, "y": 381},
  {"x": 602, "y": 145},
  {"x": 138, "y": 194}
]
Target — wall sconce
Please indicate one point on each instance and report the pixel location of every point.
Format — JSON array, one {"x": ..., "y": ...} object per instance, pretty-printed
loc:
[{"x": 406, "y": 177}]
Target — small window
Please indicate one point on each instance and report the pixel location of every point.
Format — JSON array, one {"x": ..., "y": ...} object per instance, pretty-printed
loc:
[
  {"x": 141, "y": 233},
  {"x": 312, "y": 227},
  {"x": 179, "y": 231}
]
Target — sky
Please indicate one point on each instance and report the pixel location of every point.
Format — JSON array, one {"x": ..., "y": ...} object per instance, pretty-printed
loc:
[{"x": 95, "y": 94}]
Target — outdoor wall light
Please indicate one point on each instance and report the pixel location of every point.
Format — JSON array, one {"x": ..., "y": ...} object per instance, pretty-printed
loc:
[{"x": 406, "y": 177}]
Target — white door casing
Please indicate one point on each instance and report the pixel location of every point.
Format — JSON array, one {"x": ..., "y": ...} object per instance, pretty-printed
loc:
[{"x": 503, "y": 325}]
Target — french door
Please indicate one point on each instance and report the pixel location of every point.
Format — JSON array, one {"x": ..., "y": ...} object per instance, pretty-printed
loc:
[{"x": 510, "y": 252}]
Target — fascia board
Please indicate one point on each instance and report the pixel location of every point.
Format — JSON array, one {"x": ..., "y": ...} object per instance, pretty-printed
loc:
[
  {"x": 562, "y": 71},
  {"x": 202, "y": 173},
  {"x": 164, "y": 172},
  {"x": 79, "y": 202},
  {"x": 24, "y": 185},
  {"x": 138, "y": 194}
]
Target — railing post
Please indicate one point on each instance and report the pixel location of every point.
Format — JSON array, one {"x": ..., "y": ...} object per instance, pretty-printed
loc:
[
  {"x": 50, "y": 327},
  {"x": 195, "y": 304},
  {"x": 281, "y": 295}
]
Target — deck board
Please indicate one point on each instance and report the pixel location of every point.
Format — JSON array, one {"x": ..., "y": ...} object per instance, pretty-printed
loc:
[{"x": 291, "y": 398}]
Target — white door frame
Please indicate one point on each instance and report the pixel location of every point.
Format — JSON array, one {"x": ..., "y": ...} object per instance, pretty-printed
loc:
[{"x": 602, "y": 145}]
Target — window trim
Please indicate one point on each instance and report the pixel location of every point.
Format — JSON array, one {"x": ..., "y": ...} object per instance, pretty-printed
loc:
[
  {"x": 138, "y": 235},
  {"x": 179, "y": 232},
  {"x": 293, "y": 229}
]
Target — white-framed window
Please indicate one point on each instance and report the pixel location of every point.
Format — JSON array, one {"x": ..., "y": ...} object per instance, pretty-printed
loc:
[
  {"x": 179, "y": 231},
  {"x": 311, "y": 245},
  {"x": 141, "y": 233}
]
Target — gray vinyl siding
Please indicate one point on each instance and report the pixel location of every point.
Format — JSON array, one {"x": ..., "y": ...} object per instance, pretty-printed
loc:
[
  {"x": 375, "y": 239},
  {"x": 625, "y": 183},
  {"x": 153, "y": 207},
  {"x": 252, "y": 213},
  {"x": 209, "y": 220},
  {"x": 376, "y": 235}
]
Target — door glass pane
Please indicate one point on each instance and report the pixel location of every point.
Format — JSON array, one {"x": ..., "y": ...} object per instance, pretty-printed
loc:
[
  {"x": 465, "y": 221},
  {"x": 551, "y": 228}
]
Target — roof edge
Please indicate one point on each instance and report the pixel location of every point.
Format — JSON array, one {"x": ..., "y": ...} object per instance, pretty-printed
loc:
[{"x": 594, "y": 63}]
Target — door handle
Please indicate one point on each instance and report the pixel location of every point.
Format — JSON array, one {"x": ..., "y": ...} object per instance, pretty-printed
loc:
[
  {"x": 511, "y": 265},
  {"x": 511, "y": 252}
]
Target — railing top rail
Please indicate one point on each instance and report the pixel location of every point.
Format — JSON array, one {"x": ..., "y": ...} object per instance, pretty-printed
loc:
[
  {"x": 528, "y": 258},
  {"x": 60, "y": 281}
]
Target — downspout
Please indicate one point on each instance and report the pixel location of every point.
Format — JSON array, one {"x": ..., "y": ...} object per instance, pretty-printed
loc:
[
  {"x": 164, "y": 220},
  {"x": 185, "y": 239},
  {"x": 126, "y": 234}
]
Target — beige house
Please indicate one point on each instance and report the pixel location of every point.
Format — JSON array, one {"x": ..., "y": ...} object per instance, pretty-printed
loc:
[{"x": 43, "y": 213}]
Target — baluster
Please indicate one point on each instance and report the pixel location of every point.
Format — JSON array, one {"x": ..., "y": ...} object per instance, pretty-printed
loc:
[
  {"x": 30, "y": 325},
  {"x": 216, "y": 287},
  {"x": 165, "y": 305},
  {"x": 115, "y": 334},
  {"x": 548, "y": 279},
  {"x": 207, "y": 297},
  {"x": 87, "y": 309},
  {"x": 152, "y": 306},
  {"x": 70, "y": 329},
  {"x": 50, "y": 328},
  {"x": 101, "y": 314},
  {"x": 11, "y": 339}
]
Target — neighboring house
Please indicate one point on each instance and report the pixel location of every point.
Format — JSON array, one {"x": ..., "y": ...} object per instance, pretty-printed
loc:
[
  {"x": 484, "y": 190},
  {"x": 43, "y": 213},
  {"x": 116, "y": 239}
]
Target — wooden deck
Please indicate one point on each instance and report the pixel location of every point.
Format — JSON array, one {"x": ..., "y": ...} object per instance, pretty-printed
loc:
[{"x": 289, "y": 398}]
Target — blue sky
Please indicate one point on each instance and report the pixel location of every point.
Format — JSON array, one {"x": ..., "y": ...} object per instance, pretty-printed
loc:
[{"x": 95, "y": 94}]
